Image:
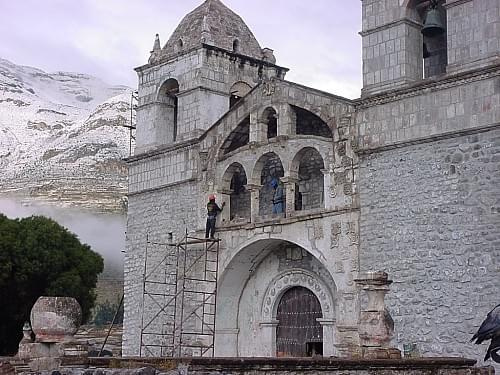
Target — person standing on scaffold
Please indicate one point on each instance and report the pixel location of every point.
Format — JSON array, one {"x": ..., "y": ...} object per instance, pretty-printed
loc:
[{"x": 212, "y": 210}]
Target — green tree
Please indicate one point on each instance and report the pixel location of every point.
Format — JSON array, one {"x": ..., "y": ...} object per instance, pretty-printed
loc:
[{"x": 40, "y": 257}]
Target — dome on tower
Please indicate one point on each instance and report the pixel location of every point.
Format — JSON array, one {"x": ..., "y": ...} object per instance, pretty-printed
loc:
[{"x": 215, "y": 24}]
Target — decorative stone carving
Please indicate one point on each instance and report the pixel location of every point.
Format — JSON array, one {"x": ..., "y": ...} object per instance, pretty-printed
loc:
[
  {"x": 352, "y": 232},
  {"x": 290, "y": 279},
  {"x": 268, "y": 88},
  {"x": 336, "y": 230},
  {"x": 318, "y": 229},
  {"x": 55, "y": 319}
]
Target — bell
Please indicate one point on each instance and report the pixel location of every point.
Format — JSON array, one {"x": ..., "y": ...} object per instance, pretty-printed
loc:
[{"x": 433, "y": 25}]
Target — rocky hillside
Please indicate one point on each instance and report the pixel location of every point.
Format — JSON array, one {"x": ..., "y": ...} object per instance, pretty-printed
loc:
[{"x": 63, "y": 137}]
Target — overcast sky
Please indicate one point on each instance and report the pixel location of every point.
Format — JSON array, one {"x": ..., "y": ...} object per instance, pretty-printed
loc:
[{"x": 317, "y": 39}]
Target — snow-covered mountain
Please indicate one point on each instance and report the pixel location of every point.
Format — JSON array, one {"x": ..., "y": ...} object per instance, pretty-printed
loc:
[{"x": 63, "y": 137}]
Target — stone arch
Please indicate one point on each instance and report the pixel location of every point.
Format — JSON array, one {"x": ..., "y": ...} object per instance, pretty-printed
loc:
[
  {"x": 168, "y": 96},
  {"x": 308, "y": 123},
  {"x": 234, "y": 183},
  {"x": 239, "y": 137},
  {"x": 238, "y": 267},
  {"x": 237, "y": 91},
  {"x": 292, "y": 278},
  {"x": 307, "y": 168},
  {"x": 269, "y": 118}
]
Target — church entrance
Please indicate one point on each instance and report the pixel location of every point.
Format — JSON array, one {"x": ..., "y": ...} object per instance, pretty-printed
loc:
[{"x": 298, "y": 333}]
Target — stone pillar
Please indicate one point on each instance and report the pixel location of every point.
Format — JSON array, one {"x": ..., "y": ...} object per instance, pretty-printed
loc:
[
  {"x": 225, "y": 215},
  {"x": 376, "y": 327},
  {"x": 329, "y": 339},
  {"x": 289, "y": 187},
  {"x": 226, "y": 342},
  {"x": 54, "y": 321},
  {"x": 254, "y": 190},
  {"x": 258, "y": 129},
  {"x": 268, "y": 345},
  {"x": 286, "y": 120},
  {"x": 328, "y": 189}
]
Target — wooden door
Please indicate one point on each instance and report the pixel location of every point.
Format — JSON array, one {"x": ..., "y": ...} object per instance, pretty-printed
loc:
[{"x": 299, "y": 334}]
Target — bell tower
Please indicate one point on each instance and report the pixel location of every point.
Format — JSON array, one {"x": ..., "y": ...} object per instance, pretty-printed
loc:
[
  {"x": 407, "y": 41},
  {"x": 211, "y": 60}
]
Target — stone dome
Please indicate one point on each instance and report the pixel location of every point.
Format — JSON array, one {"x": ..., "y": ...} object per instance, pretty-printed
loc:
[{"x": 215, "y": 24}]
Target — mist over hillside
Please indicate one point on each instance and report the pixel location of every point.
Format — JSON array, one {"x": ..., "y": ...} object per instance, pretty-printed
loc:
[{"x": 63, "y": 137}]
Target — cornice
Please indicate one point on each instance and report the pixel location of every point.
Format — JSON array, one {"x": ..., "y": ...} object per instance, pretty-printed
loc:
[{"x": 386, "y": 26}]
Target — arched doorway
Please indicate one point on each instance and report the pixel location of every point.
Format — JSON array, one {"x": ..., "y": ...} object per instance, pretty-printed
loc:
[{"x": 298, "y": 333}]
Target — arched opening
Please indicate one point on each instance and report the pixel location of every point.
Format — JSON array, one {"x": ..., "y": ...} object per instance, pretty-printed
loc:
[
  {"x": 238, "y": 138},
  {"x": 168, "y": 95},
  {"x": 309, "y": 190},
  {"x": 238, "y": 91},
  {"x": 239, "y": 202},
  {"x": 310, "y": 124},
  {"x": 236, "y": 46},
  {"x": 432, "y": 15},
  {"x": 271, "y": 198},
  {"x": 270, "y": 118},
  {"x": 246, "y": 319},
  {"x": 299, "y": 334},
  {"x": 180, "y": 44}
]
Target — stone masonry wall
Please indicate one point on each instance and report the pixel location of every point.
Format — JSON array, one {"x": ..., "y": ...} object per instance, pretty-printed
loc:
[
  {"x": 151, "y": 216},
  {"x": 443, "y": 107},
  {"x": 430, "y": 217},
  {"x": 474, "y": 32}
]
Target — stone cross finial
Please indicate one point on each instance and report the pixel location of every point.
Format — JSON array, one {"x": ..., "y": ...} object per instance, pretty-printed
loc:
[
  {"x": 155, "y": 53},
  {"x": 156, "y": 45}
]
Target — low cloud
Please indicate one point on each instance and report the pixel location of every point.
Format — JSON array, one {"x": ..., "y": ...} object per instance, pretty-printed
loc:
[{"x": 104, "y": 233}]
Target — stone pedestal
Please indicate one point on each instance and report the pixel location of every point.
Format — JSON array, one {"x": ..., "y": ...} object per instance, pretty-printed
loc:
[
  {"x": 376, "y": 327},
  {"x": 254, "y": 190},
  {"x": 54, "y": 321}
]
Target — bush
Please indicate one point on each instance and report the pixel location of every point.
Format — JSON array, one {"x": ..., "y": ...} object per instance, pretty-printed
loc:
[{"x": 40, "y": 257}]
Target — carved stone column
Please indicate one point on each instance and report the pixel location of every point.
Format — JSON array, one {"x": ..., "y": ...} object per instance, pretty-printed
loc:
[
  {"x": 290, "y": 185},
  {"x": 254, "y": 190},
  {"x": 376, "y": 327}
]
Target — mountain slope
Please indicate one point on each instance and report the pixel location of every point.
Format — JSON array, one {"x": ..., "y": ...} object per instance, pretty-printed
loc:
[{"x": 63, "y": 137}]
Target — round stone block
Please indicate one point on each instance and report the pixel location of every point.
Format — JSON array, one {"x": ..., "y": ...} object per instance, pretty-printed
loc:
[{"x": 55, "y": 319}]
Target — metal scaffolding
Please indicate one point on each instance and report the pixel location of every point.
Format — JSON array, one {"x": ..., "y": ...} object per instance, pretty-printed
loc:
[{"x": 179, "y": 298}]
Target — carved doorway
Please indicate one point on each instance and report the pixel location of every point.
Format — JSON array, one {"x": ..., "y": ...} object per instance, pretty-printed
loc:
[{"x": 298, "y": 333}]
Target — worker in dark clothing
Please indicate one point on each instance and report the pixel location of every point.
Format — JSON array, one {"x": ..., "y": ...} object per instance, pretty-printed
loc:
[{"x": 212, "y": 210}]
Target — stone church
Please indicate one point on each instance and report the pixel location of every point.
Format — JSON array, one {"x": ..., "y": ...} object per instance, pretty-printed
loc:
[{"x": 404, "y": 179}]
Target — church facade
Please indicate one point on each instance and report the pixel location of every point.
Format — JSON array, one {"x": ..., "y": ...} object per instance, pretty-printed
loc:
[{"x": 404, "y": 179}]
